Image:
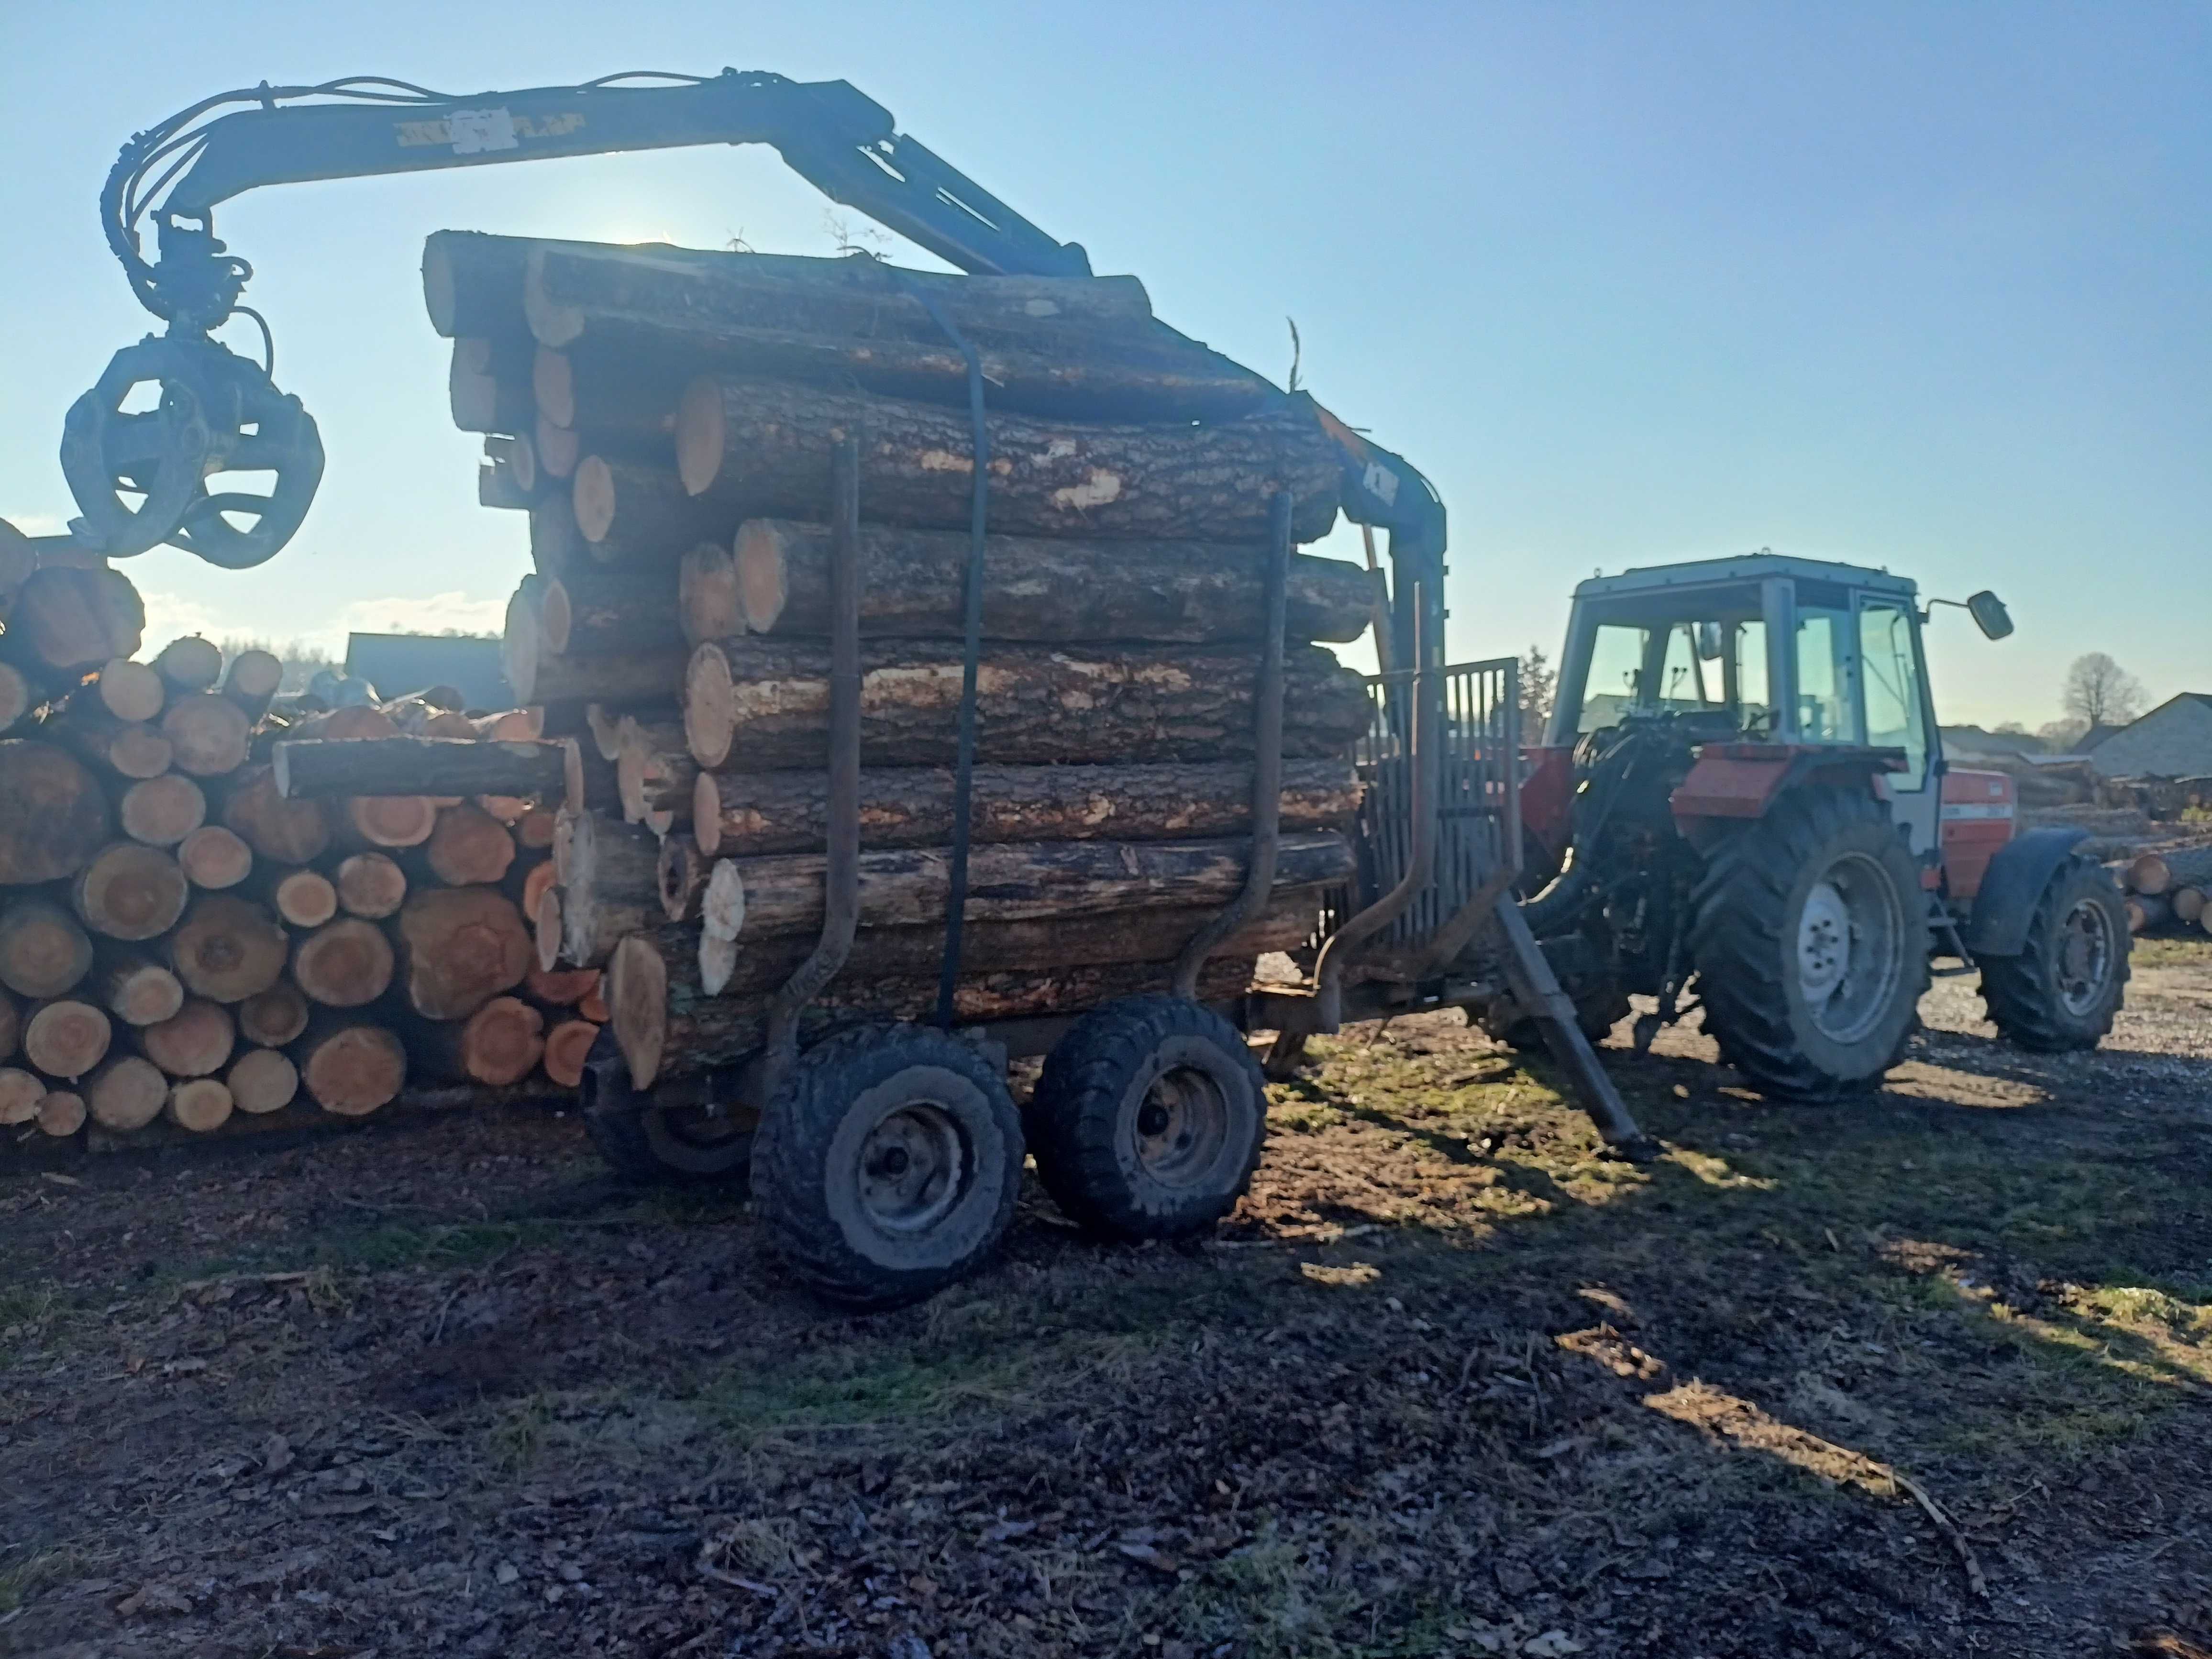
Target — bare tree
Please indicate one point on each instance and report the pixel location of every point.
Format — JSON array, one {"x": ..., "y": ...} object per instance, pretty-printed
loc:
[
  {"x": 1539, "y": 684},
  {"x": 2098, "y": 691}
]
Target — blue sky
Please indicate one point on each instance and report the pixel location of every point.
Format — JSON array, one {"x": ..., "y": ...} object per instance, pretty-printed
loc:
[{"x": 1920, "y": 285}]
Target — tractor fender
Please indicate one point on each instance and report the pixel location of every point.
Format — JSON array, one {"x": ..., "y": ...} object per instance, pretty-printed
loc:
[
  {"x": 1738, "y": 781},
  {"x": 2011, "y": 887}
]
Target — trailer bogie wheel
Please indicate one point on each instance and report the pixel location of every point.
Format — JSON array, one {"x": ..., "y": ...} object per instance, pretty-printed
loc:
[
  {"x": 888, "y": 1164},
  {"x": 1809, "y": 932},
  {"x": 2061, "y": 992},
  {"x": 1148, "y": 1119},
  {"x": 690, "y": 1144}
]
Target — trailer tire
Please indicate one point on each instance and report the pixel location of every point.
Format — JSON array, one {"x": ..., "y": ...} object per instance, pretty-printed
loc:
[
  {"x": 888, "y": 1165},
  {"x": 2061, "y": 992},
  {"x": 686, "y": 1145},
  {"x": 1148, "y": 1119},
  {"x": 1809, "y": 931}
]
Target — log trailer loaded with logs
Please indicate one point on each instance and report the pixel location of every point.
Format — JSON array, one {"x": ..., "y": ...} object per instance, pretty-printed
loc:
[{"x": 924, "y": 669}]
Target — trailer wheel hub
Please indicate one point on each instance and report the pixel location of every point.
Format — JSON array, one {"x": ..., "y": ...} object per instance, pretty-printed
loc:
[
  {"x": 1181, "y": 1126},
  {"x": 911, "y": 1168}
]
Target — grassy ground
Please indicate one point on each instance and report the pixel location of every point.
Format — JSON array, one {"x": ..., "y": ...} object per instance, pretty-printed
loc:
[{"x": 1926, "y": 1374}]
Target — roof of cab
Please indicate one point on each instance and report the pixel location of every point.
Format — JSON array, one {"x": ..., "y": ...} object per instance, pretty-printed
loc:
[{"x": 1742, "y": 568}]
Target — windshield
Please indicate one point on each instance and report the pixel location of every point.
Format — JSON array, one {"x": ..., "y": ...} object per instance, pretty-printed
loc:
[{"x": 1676, "y": 668}]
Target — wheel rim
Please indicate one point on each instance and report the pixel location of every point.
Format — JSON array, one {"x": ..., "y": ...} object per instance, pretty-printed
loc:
[
  {"x": 913, "y": 1168},
  {"x": 1181, "y": 1125},
  {"x": 2084, "y": 964},
  {"x": 1848, "y": 938}
]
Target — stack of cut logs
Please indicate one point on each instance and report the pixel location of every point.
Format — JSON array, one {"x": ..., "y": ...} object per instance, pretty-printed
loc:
[
  {"x": 2169, "y": 891},
  {"x": 178, "y": 940},
  {"x": 667, "y": 418}
]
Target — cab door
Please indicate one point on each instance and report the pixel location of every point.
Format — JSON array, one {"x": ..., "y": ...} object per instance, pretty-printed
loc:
[{"x": 1895, "y": 713}]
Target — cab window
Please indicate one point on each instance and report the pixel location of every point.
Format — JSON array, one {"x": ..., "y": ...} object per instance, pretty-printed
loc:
[
  {"x": 1827, "y": 708},
  {"x": 1615, "y": 682},
  {"x": 1894, "y": 709}
]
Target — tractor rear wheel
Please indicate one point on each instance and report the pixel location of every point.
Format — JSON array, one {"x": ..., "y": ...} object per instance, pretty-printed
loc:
[
  {"x": 2062, "y": 989},
  {"x": 1809, "y": 933}
]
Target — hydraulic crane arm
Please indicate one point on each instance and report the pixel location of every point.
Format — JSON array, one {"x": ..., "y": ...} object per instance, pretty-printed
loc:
[{"x": 140, "y": 479}]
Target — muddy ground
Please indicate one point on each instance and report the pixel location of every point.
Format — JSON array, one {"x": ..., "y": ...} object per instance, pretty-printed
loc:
[{"x": 1922, "y": 1375}]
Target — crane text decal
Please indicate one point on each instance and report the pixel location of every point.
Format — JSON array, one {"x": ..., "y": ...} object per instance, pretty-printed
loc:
[{"x": 479, "y": 132}]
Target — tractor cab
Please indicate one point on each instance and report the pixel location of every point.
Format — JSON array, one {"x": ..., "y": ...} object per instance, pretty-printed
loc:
[{"x": 1762, "y": 665}]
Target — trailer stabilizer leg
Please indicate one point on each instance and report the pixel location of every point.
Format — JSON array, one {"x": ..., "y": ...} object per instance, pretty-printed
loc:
[{"x": 1536, "y": 987}]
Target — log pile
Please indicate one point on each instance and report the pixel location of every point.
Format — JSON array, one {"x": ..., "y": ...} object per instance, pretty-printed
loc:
[
  {"x": 182, "y": 940},
  {"x": 2168, "y": 891},
  {"x": 667, "y": 420}
]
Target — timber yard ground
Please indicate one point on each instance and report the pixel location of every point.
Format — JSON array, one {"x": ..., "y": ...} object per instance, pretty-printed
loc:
[{"x": 1926, "y": 1374}]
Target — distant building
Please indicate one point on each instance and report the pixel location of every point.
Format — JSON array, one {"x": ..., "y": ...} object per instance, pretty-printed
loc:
[
  {"x": 1971, "y": 743},
  {"x": 397, "y": 664},
  {"x": 2174, "y": 740}
]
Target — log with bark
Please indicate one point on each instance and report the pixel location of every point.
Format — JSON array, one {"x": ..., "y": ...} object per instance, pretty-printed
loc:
[
  {"x": 66, "y": 618},
  {"x": 196, "y": 1041},
  {"x": 253, "y": 679},
  {"x": 622, "y": 401},
  {"x": 129, "y": 892},
  {"x": 595, "y": 613},
  {"x": 228, "y": 948},
  {"x": 758, "y": 448},
  {"x": 499, "y": 1044},
  {"x": 349, "y": 1068},
  {"x": 612, "y": 888},
  {"x": 488, "y": 385},
  {"x": 1070, "y": 345},
  {"x": 66, "y": 1038},
  {"x": 53, "y": 814},
  {"x": 11, "y": 1019},
  {"x": 43, "y": 951},
  {"x": 758, "y": 704},
  {"x": 129, "y": 749},
  {"x": 709, "y": 605},
  {"x": 1038, "y": 588},
  {"x": 459, "y": 947},
  {"x": 737, "y": 814},
  {"x": 655, "y": 775},
  {"x": 408, "y": 766}
]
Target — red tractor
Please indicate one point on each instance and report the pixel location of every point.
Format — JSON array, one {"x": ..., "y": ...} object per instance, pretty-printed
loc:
[{"x": 1774, "y": 837}]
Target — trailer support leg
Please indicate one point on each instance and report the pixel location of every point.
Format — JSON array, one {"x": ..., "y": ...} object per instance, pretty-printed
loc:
[{"x": 1537, "y": 989}]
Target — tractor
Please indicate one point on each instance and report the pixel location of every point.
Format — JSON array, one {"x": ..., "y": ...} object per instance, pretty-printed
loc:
[{"x": 1742, "y": 804}]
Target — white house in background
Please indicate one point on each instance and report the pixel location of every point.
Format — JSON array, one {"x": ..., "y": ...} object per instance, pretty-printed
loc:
[{"x": 2174, "y": 740}]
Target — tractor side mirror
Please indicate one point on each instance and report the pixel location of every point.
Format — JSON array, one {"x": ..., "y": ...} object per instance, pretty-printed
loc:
[
  {"x": 1709, "y": 641},
  {"x": 1989, "y": 614}
]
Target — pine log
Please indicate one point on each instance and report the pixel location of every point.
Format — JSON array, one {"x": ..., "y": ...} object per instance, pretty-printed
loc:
[
  {"x": 350, "y": 724},
  {"x": 2147, "y": 873},
  {"x": 665, "y": 1024},
  {"x": 536, "y": 882},
  {"x": 472, "y": 283},
  {"x": 488, "y": 388},
  {"x": 468, "y": 848},
  {"x": 511, "y": 725},
  {"x": 253, "y": 679},
  {"x": 709, "y": 605},
  {"x": 130, "y": 691},
  {"x": 556, "y": 544},
  {"x": 66, "y": 1038},
  {"x": 194, "y": 1041},
  {"x": 561, "y": 987},
  {"x": 2188, "y": 904},
  {"x": 278, "y": 828},
  {"x": 275, "y": 1016},
  {"x": 209, "y": 735},
  {"x": 162, "y": 811},
  {"x": 754, "y": 448},
  {"x": 262, "y": 1080},
  {"x": 202, "y": 1104},
  {"x": 613, "y": 888},
  {"x": 53, "y": 815},
  {"x": 371, "y": 885},
  {"x": 347, "y": 964},
  {"x": 2147, "y": 912},
  {"x": 595, "y": 614},
  {"x": 518, "y": 455},
  {"x": 654, "y": 776},
  {"x": 567, "y": 1045},
  {"x": 739, "y": 813},
  {"x": 190, "y": 664},
  {"x": 11, "y": 1017},
  {"x": 758, "y": 704},
  {"x": 549, "y": 933},
  {"x": 136, "y": 990},
  {"x": 1015, "y": 881},
  {"x": 227, "y": 948},
  {"x": 61, "y": 1113},
  {"x": 126, "y": 1093},
  {"x": 347, "y": 1068},
  {"x": 558, "y": 449},
  {"x": 681, "y": 875},
  {"x": 18, "y": 558},
  {"x": 497, "y": 489},
  {"x": 459, "y": 947},
  {"x": 66, "y": 619},
  {"x": 389, "y": 822},
  {"x": 1079, "y": 345},
  {"x": 43, "y": 950},
  {"x": 129, "y": 892},
  {"x": 912, "y": 583},
  {"x": 213, "y": 857},
  {"x": 412, "y": 767},
  {"x": 618, "y": 679},
  {"x": 500, "y": 1043},
  {"x": 617, "y": 398},
  {"x": 19, "y": 696},
  {"x": 129, "y": 749},
  {"x": 20, "y": 1092}
]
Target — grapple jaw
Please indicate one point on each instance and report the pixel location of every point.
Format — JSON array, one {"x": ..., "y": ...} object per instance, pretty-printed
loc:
[{"x": 141, "y": 476}]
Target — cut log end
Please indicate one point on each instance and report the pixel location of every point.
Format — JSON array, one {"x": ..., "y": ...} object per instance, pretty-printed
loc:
[
  {"x": 636, "y": 986},
  {"x": 701, "y": 425},
  {"x": 209, "y": 735},
  {"x": 262, "y": 1080},
  {"x": 190, "y": 664},
  {"x": 390, "y": 821},
  {"x": 53, "y": 814},
  {"x": 275, "y": 1016},
  {"x": 129, "y": 892},
  {"x": 126, "y": 1094},
  {"x": 567, "y": 1045},
  {"x": 469, "y": 847},
  {"x": 213, "y": 858},
  {"x": 67, "y": 1038},
  {"x": 140, "y": 993},
  {"x": 20, "y": 1092},
  {"x": 227, "y": 949},
  {"x": 130, "y": 690},
  {"x": 162, "y": 811},
  {"x": 201, "y": 1104},
  {"x": 281, "y": 831},
  {"x": 43, "y": 949},
  {"x": 305, "y": 898},
  {"x": 61, "y": 1113},
  {"x": 371, "y": 885},
  {"x": 194, "y": 1041},
  {"x": 352, "y": 1070},
  {"x": 545, "y": 922},
  {"x": 710, "y": 706},
  {"x": 347, "y": 964}
]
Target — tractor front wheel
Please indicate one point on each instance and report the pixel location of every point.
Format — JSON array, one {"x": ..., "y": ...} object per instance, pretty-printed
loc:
[
  {"x": 1810, "y": 937},
  {"x": 2062, "y": 990}
]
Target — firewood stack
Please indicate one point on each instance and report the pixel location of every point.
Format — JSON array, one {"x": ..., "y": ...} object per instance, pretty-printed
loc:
[
  {"x": 178, "y": 940},
  {"x": 667, "y": 418},
  {"x": 2168, "y": 890}
]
